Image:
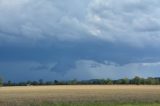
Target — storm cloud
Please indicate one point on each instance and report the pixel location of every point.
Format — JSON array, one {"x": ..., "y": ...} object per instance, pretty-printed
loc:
[
  {"x": 135, "y": 22},
  {"x": 74, "y": 39}
]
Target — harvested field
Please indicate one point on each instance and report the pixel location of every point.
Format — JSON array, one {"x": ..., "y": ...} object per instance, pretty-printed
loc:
[{"x": 17, "y": 96}]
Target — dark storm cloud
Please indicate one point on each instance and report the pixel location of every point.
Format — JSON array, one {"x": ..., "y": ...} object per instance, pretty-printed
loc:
[{"x": 58, "y": 39}]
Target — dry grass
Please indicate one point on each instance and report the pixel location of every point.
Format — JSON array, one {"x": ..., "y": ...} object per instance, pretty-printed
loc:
[{"x": 79, "y": 93}]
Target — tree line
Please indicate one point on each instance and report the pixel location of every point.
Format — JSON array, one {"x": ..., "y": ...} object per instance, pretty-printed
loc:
[
  {"x": 1, "y": 81},
  {"x": 124, "y": 81}
]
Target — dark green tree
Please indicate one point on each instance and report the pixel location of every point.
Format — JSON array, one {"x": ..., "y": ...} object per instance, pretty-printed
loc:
[
  {"x": 152, "y": 81},
  {"x": 41, "y": 82},
  {"x": 137, "y": 80},
  {"x": 56, "y": 82},
  {"x": 35, "y": 83},
  {"x": 73, "y": 82},
  {"x": 49, "y": 83},
  {"x": 109, "y": 82},
  {"x": 28, "y": 83},
  {"x": 1, "y": 81},
  {"x": 9, "y": 83},
  {"x": 125, "y": 81}
]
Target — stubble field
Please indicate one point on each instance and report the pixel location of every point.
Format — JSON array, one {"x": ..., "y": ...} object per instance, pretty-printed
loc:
[{"x": 80, "y": 95}]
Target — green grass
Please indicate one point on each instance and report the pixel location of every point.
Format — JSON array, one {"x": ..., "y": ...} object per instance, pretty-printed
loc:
[{"x": 96, "y": 104}]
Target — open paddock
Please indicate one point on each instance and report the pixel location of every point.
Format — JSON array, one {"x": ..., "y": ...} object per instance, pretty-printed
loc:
[{"x": 17, "y": 96}]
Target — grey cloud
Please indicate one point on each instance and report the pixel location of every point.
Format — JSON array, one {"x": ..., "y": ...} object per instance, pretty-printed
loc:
[
  {"x": 28, "y": 70},
  {"x": 42, "y": 67},
  {"x": 135, "y": 22},
  {"x": 83, "y": 69},
  {"x": 36, "y": 20},
  {"x": 74, "y": 38}
]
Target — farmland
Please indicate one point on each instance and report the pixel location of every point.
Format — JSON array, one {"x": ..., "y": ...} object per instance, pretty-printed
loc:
[{"x": 78, "y": 95}]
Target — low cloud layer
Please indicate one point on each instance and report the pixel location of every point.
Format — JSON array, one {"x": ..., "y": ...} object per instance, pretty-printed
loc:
[
  {"x": 89, "y": 69},
  {"x": 83, "y": 69}
]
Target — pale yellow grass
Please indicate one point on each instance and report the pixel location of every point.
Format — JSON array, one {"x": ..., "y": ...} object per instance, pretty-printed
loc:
[{"x": 115, "y": 93}]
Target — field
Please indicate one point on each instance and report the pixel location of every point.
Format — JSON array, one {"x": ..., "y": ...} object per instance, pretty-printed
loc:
[{"x": 80, "y": 95}]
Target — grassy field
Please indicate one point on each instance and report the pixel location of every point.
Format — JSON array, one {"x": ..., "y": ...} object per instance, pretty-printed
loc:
[{"x": 91, "y": 95}]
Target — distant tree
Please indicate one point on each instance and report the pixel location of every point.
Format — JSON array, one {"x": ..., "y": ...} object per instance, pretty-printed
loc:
[
  {"x": 34, "y": 83},
  {"x": 21, "y": 84},
  {"x": 126, "y": 81},
  {"x": 49, "y": 83},
  {"x": 56, "y": 82},
  {"x": 109, "y": 81},
  {"x": 136, "y": 80},
  {"x": 9, "y": 83},
  {"x": 41, "y": 82},
  {"x": 28, "y": 83},
  {"x": 1, "y": 81},
  {"x": 157, "y": 81},
  {"x": 118, "y": 81},
  {"x": 73, "y": 82},
  {"x": 102, "y": 81},
  {"x": 142, "y": 81},
  {"x": 152, "y": 81}
]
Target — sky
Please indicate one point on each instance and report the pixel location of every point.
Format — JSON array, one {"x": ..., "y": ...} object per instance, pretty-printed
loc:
[{"x": 79, "y": 39}]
